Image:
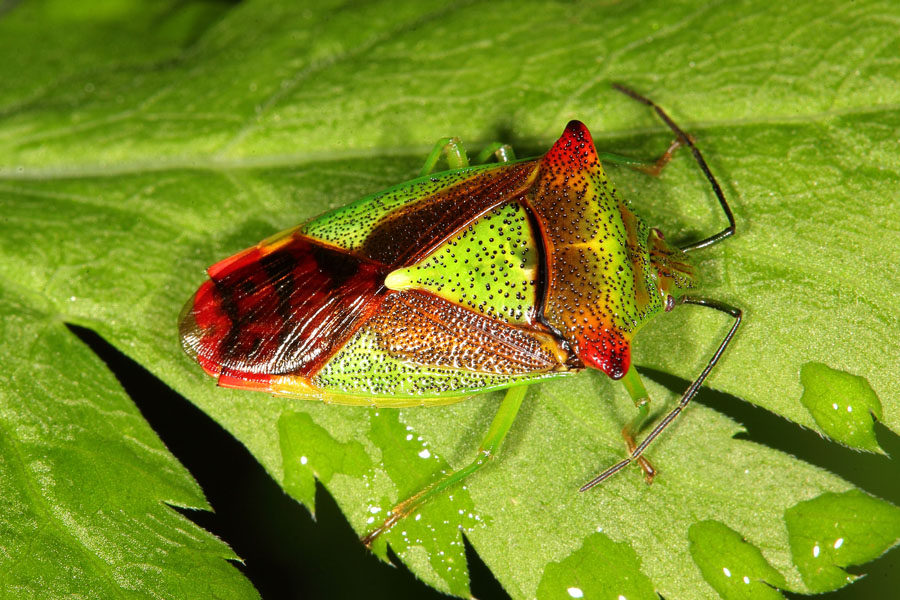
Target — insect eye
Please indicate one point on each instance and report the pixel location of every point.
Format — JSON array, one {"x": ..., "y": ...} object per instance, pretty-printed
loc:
[{"x": 670, "y": 302}]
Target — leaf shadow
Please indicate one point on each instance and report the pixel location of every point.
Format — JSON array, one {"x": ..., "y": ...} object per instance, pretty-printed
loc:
[{"x": 878, "y": 474}]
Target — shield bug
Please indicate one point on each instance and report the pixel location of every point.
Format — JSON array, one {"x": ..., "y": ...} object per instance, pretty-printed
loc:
[{"x": 475, "y": 279}]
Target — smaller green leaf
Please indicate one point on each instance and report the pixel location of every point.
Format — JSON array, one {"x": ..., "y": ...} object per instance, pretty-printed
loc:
[
  {"x": 431, "y": 539},
  {"x": 730, "y": 564},
  {"x": 834, "y": 530},
  {"x": 577, "y": 576},
  {"x": 842, "y": 405},
  {"x": 308, "y": 451}
]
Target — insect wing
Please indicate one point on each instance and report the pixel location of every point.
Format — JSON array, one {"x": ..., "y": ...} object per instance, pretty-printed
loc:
[
  {"x": 279, "y": 310},
  {"x": 419, "y": 345},
  {"x": 399, "y": 226},
  {"x": 308, "y": 314}
]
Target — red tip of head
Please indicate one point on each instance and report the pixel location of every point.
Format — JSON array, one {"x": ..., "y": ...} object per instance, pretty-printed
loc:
[
  {"x": 578, "y": 131},
  {"x": 612, "y": 356},
  {"x": 573, "y": 151}
]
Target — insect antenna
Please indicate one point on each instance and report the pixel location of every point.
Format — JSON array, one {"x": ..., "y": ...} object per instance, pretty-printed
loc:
[{"x": 686, "y": 141}]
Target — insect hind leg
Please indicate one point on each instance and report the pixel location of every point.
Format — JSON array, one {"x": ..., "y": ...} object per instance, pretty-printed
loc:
[
  {"x": 457, "y": 158},
  {"x": 502, "y": 152},
  {"x": 488, "y": 450}
]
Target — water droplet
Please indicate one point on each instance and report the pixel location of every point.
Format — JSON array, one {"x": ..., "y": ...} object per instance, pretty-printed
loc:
[
  {"x": 303, "y": 460},
  {"x": 374, "y": 509},
  {"x": 425, "y": 453},
  {"x": 409, "y": 437},
  {"x": 816, "y": 551},
  {"x": 575, "y": 592},
  {"x": 726, "y": 571},
  {"x": 746, "y": 580},
  {"x": 838, "y": 543}
]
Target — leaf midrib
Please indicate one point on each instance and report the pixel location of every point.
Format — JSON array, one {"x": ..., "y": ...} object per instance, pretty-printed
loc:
[{"x": 207, "y": 163}]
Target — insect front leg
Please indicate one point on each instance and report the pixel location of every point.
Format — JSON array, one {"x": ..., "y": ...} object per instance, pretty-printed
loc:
[
  {"x": 686, "y": 140},
  {"x": 650, "y": 167},
  {"x": 641, "y": 398},
  {"x": 689, "y": 394},
  {"x": 488, "y": 450}
]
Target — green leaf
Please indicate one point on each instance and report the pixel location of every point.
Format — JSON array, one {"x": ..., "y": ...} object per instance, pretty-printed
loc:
[
  {"x": 842, "y": 404},
  {"x": 577, "y": 577},
  {"x": 837, "y": 530},
  {"x": 310, "y": 453},
  {"x": 86, "y": 481},
  {"x": 735, "y": 568},
  {"x": 140, "y": 145}
]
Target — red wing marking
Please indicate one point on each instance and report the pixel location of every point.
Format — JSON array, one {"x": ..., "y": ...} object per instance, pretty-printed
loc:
[{"x": 266, "y": 312}]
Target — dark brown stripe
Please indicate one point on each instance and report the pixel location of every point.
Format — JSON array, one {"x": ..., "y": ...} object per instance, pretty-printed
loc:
[{"x": 410, "y": 233}]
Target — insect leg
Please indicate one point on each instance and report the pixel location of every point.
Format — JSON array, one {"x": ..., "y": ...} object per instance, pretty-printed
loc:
[
  {"x": 686, "y": 140},
  {"x": 503, "y": 152},
  {"x": 653, "y": 168},
  {"x": 689, "y": 394},
  {"x": 641, "y": 398},
  {"x": 489, "y": 448},
  {"x": 453, "y": 148}
]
